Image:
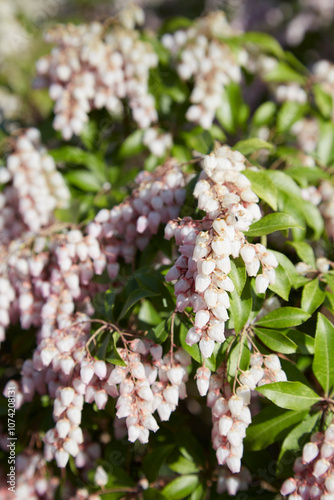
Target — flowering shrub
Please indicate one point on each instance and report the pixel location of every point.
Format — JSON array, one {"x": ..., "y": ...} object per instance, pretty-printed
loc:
[{"x": 167, "y": 274}]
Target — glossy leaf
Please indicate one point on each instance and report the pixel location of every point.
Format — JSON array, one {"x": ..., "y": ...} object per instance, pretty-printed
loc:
[
  {"x": 290, "y": 395},
  {"x": 323, "y": 363},
  {"x": 312, "y": 296},
  {"x": 271, "y": 223},
  {"x": 238, "y": 274},
  {"x": 270, "y": 425},
  {"x": 304, "y": 252},
  {"x": 275, "y": 340},
  {"x": 284, "y": 73},
  {"x": 263, "y": 186},
  {"x": 293, "y": 439},
  {"x": 134, "y": 297},
  {"x": 282, "y": 285},
  {"x": 238, "y": 358},
  {"x": 180, "y": 487},
  {"x": 304, "y": 342},
  {"x": 325, "y": 149},
  {"x": 241, "y": 307},
  {"x": 284, "y": 317},
  {"x": 132, "y": 145},
  {"x": 154, "y": 460},
  {"x": 264, "y": 113},
  {"x": 248, "y": 146}
]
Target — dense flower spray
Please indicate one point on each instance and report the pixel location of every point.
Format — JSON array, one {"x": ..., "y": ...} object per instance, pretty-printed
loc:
[
  {"x": 91, "y": 68},
  {"x": 207, "y": 246}
]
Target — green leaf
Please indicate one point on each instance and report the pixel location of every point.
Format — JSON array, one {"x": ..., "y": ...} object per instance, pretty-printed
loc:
[
  {"x": 325, "y": 149},
  {"x": 176, "y": 23},
  {"x": 114, "y": 358},
  {"x": 284, "y": 183},
  {"x": 323, "y": 101},
  {"x": 132, "y": 145},
  {"x": 198, "y": 139},
  {"x": 238, "y": 274},
  {"x": 310, "y": 174},
  {"x": 312, "y": 296},
  {"x": 313, "y": 218},
  {"x": 239, "y": 354},
  {"x": 199, "y": 493},
  {"x": 270, "y": 425},
  {"x": 289, "y": 113},
  {"x": 284, "y": 73},
  {"x": 329, "y": 278},
  {"x": 181, "y": 153},
  {"x": 154, "y": 460},
  {"x": 134, "y": 297},
  {"x": 304, "y": 252},
  {"x": 241, "y": 307},
  {"x": 86, "y": 181},
  {"x": 159, "y": 333},
  {"x": 263, "y": 186},
  {"x": 264, "y": 42},
  {"x": 292, "y": 442},
  {"x": 271, "y": 223},
  {"x": 180, "y": 487},
  {"x": 232, "y": 112},
  {"x": 276, "y": 341},
  {"x": 282, "y": 284},
  {"x": 103, "y": 347},
  {"x": 290, "y": 395},
  {"x": 264, "y": 114},
  {"x": 248, "y": 146},
  {"x": 292, "y": 372},
  {"x": 149, "y": 494},
  {"x": 284, "y": 317},
  {"x": 323, "y": 363},
  {"x": 77, "y": 156},
  {"x": 296, "y": 279},
  {"x": 182, "y": 465},
  {"x": 148, "y": 314},
  {"x": 304, "y": 342}
]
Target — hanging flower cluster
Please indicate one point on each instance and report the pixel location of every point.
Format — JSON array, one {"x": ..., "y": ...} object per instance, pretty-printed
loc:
[
  {"x": 33, "y": 188},
  {"x": 230, "y": 410},
  {"x": 206, "y": 246},
  {"x": 33, "y": 480},
  {"x": 201, "y": 56},
  {"x": 90, "y": 69},
  {"x": 130, "y": 225},
  {"x": 314, "y": 471},
  {"x": 232, "y": 483},
  {"x": 148, "y": 382}
]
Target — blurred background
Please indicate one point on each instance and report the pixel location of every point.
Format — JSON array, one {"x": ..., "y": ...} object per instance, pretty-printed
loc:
[{"x": 303, "y": 26}]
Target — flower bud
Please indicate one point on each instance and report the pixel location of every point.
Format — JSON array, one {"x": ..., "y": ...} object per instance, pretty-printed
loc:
[
  {"x": 235, "y": 404},
  {"x": 100, "y": 369},
  {"x": 289, "y": 486},
  {"x": 100, "y": 477},
  {"x": 310, "y": 452},
  {"x": 63, "y": 427},
  {"x": 225, "y": 425}
]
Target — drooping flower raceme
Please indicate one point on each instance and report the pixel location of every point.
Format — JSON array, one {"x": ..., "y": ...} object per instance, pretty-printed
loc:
[
  {"x": 230, "y": 411},
  {"x": 206, "y": 247},
  {"x": 206, "y": 59},
  {"x": 33, "y": 188},
  {"x": 90, "y": 69},
  {"x": 129, "y": 226},
  {"x": 314, "y": 470}
]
